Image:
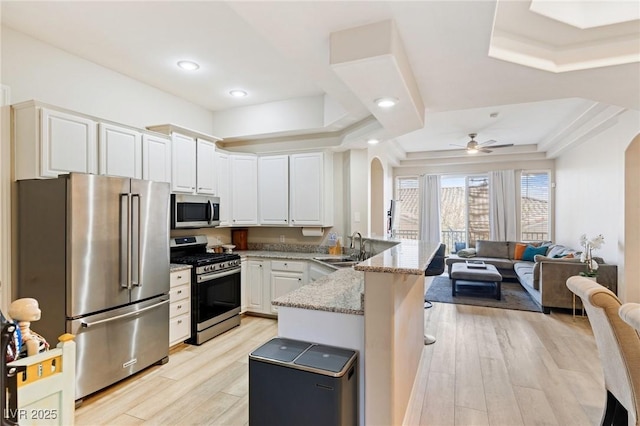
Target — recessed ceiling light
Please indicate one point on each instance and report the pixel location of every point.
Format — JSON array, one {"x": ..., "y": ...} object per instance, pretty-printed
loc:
[
  {"x": 386, "y": 102},
  {"x": 238, "y": 93},
  {"x": 373, "y": 141},
  {"x": 188, "y": 65}
]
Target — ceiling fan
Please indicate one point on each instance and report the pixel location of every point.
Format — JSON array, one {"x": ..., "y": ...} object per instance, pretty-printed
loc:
[{"x": 473, "y": 147}]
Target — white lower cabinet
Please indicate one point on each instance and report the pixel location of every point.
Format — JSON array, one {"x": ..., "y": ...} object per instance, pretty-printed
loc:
[
  {"x": 286, "y": 276},
  {"x": 257, "y": 292},
  {"x": 180, "y": 307},
  {"x": 270, "y": 279}
]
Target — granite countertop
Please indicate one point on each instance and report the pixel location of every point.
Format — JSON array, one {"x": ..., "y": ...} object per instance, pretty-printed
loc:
[
  {"x": 289, "y": 255},
  {"x": 409, "y": 257},
  {"x": 175, "y": 267},
  {"x": 339, "y": 292}
]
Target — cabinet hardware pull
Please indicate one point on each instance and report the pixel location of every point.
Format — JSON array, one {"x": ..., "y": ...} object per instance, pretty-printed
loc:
[
  {"x": 179, "y": 291},
  {"x": 179, "y": 277},
  {"x": 179, "y": 321},
  {"x": 179, "y": 306}
]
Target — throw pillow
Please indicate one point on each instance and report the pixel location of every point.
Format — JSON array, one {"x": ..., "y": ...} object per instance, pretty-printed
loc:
[
  {"x": 531, "y": 251},
  {"x": 468, "y": 252},
  {"x": 520, "y": 248}
]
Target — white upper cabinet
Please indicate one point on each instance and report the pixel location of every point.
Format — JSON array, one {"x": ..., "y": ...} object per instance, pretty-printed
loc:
[
  {"x": 273, "y": 190},
  {"x": 49, "y": 142},
  {"x": 183, "y": 170},
  {"x": 244, "y": 189},
  {"x": 206, "y": 178},
  {"x": 156, "y": 158},
  {"x": 224, "y": 188},
  {"x": 311, "y": 189},
  {"x": 193, "y": 157},
  {"x": 120, "y": 151}
]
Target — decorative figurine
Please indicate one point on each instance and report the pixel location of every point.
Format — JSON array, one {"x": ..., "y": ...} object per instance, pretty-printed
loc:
[{"x": 24, "y": 311}]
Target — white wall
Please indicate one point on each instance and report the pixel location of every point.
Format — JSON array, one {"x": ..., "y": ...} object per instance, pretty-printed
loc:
[
  {"x": 590, "y": 192},
  {"x": 36, "y": 70},
  {"x": 358, "y": 197}
]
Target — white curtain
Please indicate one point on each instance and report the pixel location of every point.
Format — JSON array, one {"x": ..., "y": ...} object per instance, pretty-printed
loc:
[
  {"x": 429, "y": 193},
  {"x": 502, "y": 205}
]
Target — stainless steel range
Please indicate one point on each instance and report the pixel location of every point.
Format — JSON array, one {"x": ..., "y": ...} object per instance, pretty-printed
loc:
[{"x": 215, "y": 287}]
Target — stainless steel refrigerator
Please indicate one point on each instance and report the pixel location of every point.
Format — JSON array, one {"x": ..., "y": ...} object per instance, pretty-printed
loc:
[{"x": 94, "y": 251}]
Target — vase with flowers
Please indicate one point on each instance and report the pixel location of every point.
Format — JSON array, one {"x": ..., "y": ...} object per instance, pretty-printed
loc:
[{"x": 587, "y": 256}]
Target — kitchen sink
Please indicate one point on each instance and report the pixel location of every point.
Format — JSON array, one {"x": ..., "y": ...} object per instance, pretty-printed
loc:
[{"x": 338, "y": 262}]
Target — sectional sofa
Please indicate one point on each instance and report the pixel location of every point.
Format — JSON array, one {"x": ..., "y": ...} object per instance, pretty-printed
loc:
[{"x": 544, "y": 274}]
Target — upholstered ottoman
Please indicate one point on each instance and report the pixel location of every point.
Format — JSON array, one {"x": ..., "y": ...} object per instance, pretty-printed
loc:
[{"x": 488, "y": 274}]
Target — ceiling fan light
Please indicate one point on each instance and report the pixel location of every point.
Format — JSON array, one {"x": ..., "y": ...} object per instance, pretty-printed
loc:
[{"x": 472, "y": 151}]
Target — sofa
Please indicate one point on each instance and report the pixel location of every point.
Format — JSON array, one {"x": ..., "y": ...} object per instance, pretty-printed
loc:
[{"x": 542, "y": 268}]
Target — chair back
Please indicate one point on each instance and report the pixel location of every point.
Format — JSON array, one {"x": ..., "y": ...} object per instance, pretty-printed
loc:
[
  {"x": 436, "y": 266},
  {"x": 618, "y": 343},
  {"x": 630, "y": 313}
]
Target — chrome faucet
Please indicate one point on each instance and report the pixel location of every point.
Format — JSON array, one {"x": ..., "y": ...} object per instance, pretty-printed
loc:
[{"x": 361, "y": 252}]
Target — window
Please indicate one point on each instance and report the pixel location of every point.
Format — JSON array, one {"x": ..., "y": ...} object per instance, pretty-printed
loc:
[
  {"x": 406, "y": 208},
  {"x": 534, "y": 206},
  {"x": 464, "y": 210}
]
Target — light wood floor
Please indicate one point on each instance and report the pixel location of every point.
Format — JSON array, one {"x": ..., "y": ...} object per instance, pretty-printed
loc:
[{"x": 488, "y": 367}]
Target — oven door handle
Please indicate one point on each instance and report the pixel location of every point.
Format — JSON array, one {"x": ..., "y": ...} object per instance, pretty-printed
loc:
[{"x": 214, "y": 275}]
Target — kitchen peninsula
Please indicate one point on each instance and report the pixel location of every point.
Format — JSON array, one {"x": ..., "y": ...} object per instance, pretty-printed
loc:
[{"x": 386, "y": 325}]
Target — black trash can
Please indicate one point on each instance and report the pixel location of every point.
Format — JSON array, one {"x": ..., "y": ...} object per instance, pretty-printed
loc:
[{"x": 292, "y": 382}]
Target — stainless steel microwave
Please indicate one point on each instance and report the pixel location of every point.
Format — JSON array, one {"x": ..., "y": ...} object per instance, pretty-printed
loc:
[{"x": 194, "y": 211}]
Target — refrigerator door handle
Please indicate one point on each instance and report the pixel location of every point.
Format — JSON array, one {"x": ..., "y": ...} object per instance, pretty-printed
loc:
[
  {"x": 136, "y": 274},
  {"x": 125, "y": 241},
  {"x": 128, "y": 314}
]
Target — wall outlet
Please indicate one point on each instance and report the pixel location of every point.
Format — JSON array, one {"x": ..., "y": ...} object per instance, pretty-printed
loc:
[{"x": 282, "y": 238}]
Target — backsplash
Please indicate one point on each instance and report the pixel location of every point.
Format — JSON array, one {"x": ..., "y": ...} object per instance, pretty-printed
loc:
[{"x": 294, "y": 248}]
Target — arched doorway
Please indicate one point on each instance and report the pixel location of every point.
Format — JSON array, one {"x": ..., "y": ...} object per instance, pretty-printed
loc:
[
  {"x": 376, "y": 209},
  {"x": 631, "y": 287}
]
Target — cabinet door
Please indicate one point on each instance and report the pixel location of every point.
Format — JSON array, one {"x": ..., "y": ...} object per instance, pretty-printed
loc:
[
  {"x": 306, "y": 189},
  {"x": 183, "y": 170},
  {"x": 120, "y": 151},
  {"x": 156, "y": 158},
  {"x": 222, "y": 167},
  {"x": 244, "y": 189},
  {"x": 273, "y": 190},
  {"x": 206, "y": 170},
  {"x": 255, "y": 286},
  {"x": 283, "y": 283},
  {"x": 68, "y": 144}
]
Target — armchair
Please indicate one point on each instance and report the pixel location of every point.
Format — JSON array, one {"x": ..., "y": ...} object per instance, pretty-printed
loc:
[{"x": 619, "y": 350}]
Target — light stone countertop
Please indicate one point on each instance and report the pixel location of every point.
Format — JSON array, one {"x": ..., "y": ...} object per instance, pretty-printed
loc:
[
  {"x": 339, "y": 292},
  {"x": 289, "y": 255},
  {"x": 175, "y": 267},
  {"x": 409, "y": 257}
]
